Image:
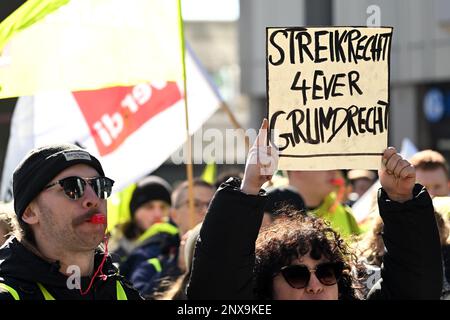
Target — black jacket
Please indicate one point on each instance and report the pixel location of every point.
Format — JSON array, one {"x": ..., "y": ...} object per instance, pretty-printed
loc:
[
  {"x": 21, "y": 270},
  {"x": 225, "y": 252}
]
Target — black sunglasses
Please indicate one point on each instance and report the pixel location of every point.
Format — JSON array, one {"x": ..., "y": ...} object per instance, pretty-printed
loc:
[
  {"x": 74, "y": 186},
  {"x": 298, "y": 275}
]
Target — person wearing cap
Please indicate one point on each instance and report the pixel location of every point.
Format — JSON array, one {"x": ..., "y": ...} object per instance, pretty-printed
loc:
[
  {"x": 154, "y": 238},
  {"x": 170, "y": 264},
  {"x": 165, "y": 261},
  {"x": 149, "y": 205},
  {"x": 60, "y": 193},
  {"x": 360, "y": 182}
]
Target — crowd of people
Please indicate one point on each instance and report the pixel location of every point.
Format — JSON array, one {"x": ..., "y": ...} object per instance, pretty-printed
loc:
[{"x": 260, "y": 234}]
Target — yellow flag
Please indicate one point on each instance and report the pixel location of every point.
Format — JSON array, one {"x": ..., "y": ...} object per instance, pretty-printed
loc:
[
  {"x": 119, "y": 206},
  {"x": 209, "y": 173},
  {"x": 29, "y": 13},
  {"x": 84, "y": 45}
]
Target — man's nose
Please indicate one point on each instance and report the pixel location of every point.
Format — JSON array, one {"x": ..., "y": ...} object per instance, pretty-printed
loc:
[{"x": 90, "y": 198}]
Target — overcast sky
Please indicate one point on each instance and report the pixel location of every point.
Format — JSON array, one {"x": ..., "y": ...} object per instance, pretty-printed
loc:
[{"x": 210, "y": 10}]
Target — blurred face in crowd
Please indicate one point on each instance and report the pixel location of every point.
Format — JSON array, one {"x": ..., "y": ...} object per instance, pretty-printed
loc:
[
  {"x": 151, "y": 212},
  {"x": 180, "y": 213},
  {"x": 321, "y": 183},
  {"x": 63, "y": 222},
  {"x": 435, "y": 181},
  {"x": 293, "y": 284},
  {"x": 361, "y": 185}
]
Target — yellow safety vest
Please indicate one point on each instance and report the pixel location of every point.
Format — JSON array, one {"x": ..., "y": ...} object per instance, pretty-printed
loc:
[
  {"x": 120, "y": 292},
  {"x": 155, "y": 263}
]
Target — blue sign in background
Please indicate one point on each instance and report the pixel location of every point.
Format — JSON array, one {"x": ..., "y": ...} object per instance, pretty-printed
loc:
[{"x": 436, "y": 105}]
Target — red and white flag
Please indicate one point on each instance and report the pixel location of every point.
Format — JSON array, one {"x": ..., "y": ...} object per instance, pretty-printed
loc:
[{"x": 132, "y": 130}]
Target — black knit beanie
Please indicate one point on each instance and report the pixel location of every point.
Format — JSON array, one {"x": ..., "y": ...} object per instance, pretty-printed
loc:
[
  {"x": 148, "y": 189},
  {"x": 41, "y": 165}
]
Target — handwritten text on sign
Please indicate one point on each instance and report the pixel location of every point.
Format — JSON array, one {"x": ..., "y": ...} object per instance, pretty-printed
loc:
[{"x": 328, "y": 96}]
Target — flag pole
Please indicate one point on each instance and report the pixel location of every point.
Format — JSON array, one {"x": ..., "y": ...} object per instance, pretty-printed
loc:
[
  {"x": 189, "y": 167},
  {"x": 225, "y": 108}
]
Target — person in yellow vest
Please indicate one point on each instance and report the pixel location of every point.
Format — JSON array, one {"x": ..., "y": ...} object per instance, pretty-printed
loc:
[
  {"x": 149, "y": 207},
  {"x": 317, "y": 189},
  {"x": 60, "y": 196},
  {"x": 157, "y": 258},
  {"x": 153, "y": 237}
]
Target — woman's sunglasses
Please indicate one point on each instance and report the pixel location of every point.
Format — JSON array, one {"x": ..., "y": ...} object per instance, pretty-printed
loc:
[
  {"x": 74, "y": 186},
  {"x": 298, "y": 275}
]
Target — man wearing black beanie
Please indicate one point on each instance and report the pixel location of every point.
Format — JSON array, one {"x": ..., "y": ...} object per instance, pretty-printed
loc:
[{"x": 60, "y": 196}]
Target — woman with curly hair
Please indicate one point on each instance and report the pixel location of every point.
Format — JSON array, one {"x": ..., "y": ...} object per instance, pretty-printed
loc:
[
  {"x": 286, "y": 252},
  {"x": 301, "y": 257}
]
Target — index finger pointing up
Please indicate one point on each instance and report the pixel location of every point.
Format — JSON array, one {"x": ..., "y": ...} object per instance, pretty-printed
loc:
[{"x": 261, "y": 139}]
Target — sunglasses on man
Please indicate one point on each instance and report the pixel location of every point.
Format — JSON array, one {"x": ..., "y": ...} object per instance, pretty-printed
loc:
[
  {"x": 298, "y": 275},
  {"x": 74, "y": 187}
]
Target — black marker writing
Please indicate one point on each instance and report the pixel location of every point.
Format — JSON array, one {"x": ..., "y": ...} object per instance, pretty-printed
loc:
[
  {"x": 322, "y": 125},
  {"x": 347, "y": 46},
  {"x": 323, "y": 87}
]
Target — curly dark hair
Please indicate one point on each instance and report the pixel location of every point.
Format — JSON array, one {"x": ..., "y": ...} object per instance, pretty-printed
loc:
[
  {"x": 372, "y": 245},
  {"x": 294, "y": 234}
]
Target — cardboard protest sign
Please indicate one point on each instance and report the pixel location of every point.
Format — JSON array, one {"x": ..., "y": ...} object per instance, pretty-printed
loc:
[{"x": 328, "y": 96}]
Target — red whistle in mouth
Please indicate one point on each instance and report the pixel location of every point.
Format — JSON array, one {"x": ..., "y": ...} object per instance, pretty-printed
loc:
[
  {"x": 338, "y": 182},
  {"x": 98, "y": 218}
]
